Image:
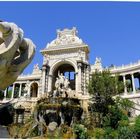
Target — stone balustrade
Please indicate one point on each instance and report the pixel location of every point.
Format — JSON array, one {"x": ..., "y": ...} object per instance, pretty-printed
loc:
[{"x": 125, "y": 67}]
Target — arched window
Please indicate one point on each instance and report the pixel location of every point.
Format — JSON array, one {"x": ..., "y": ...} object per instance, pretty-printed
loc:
[{"x": 34, "y": 89}]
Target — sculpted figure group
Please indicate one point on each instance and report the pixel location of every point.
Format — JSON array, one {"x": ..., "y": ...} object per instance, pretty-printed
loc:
[
  {"x": 16, "y": 53},
  {"x": 62, "y": 85}
]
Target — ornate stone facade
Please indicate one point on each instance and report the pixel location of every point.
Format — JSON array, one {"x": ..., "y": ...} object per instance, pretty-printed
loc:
[{"x": 68, "y": 54}]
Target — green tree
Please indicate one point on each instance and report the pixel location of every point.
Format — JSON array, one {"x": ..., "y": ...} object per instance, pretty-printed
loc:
[
  {"x": 102, "y": 87},
  {"x": 104, "y": 84},
  {"x": 113, "y": 117},
  {"x": 124, "y": 104}
]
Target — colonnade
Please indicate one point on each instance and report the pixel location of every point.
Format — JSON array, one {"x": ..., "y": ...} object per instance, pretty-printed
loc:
[
  {"x": 130, "y": 85},
  {"x": 18, "y": 90},
  {"x": 13, "y": 90},
  {"x": 129, "y": 82}
]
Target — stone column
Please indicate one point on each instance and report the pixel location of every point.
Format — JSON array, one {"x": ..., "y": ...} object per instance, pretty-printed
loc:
[
  {"x": 43, "y": 79},
  {"x": 13, "y": 89},
  {"x": 28, "y": 91},
  {"x": 20, "y": 90},
  {"x": 79, "y": 78},
  {"x": 50, "y": 83},
  {"x": 5, "y": 93},
  {"x": 76, "y": 81},
  {"x": 124, "y": 82},
  {"x": 133, "y": 83},
  {"x": 87, "y": 77}
]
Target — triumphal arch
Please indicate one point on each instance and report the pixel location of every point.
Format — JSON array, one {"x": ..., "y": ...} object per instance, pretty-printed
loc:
[{"x": 67, "y": 55}]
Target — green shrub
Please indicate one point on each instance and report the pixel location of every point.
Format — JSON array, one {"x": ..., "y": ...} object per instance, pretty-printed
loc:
[
  {"x": 126, "y": 132},
  {"x": 110, "y": 133},
  {"x": 114, "y": 117},
  {"x": 123, "y": 123},
  {"x": 99, "y": 133},
  {"x": 137, "y": 127},
  {"x": 80, "y": 131}
]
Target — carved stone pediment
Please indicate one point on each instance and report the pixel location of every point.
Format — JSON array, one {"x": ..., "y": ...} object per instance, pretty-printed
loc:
[{"x": 65, "y": 37}]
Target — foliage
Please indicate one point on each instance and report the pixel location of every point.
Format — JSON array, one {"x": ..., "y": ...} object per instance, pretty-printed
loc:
[
  {"x": 126, "y": 132},
  {"x": 88, "y": 121},
  {"x": 9, "y": 94},
  {"x": 110, "y": 133},
  {"x": 66, "y": 131},
  {"x": 137, "y": 126},
  {"x": 124, "y": 104},
  {"x": 43, "y": 106},
  {"x": 80, "y": 131},
  {"x": 112, "y": 111},
  {"x": 104, "y": 84},
  {"x": 113, "y": 117},
  {"x": 97, "y": 133}
]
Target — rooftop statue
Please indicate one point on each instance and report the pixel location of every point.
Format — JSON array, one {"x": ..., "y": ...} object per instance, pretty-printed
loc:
[
  {"x": 98, "y": 60},
  {"x": 16, "y": 53}
]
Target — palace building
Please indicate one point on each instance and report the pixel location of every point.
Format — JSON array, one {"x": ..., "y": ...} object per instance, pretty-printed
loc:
[{"x": 66, "y": 67}]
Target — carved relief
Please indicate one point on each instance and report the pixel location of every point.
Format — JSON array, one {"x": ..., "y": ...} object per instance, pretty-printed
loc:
[{"x": 65, "y": 37}]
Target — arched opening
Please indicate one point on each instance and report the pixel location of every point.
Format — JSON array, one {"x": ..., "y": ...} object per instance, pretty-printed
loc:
[
  {"x": 68, "y": 72},
  {"x": 34, "y": 89}
]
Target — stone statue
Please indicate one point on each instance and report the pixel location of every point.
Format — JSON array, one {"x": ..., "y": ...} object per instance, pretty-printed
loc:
[
  {"x": 98, "y": 60},
  {"x": 61, "y": 85},
  {"x": 36, "y": 66},
  {"x": 66, "y": 83},
  {"x": 57, "y": 83},
  {"x": 15, "y": 54},
  {"x": 61, "y": 79}
]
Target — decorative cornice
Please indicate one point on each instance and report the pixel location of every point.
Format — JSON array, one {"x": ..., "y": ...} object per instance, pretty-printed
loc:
[{"x": 69, "y": 48}]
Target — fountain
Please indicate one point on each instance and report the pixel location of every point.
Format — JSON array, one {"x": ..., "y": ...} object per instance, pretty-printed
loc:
[{"x": 58, "y": 108}]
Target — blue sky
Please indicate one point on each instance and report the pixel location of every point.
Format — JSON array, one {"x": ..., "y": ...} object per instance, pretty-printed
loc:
[{"x": 111, "y": 29}]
